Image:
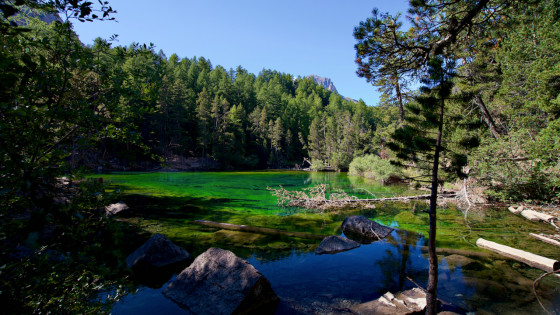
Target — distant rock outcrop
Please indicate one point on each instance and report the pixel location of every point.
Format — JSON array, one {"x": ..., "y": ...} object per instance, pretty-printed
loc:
[
  {"x": 324, "y": 82},
  {"x": 329, "y": 85}
]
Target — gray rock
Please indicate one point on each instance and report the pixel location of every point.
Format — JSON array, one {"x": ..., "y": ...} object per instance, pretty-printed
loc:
[
  {"x": 411, "y": 301},
  {"x": 157, "y": 252},
  {"x": 116, "y": 208},
  {"x": 364, "y": 230},
  {"x": 218, "y": 282},
  {"x": 335, "y": 244}
]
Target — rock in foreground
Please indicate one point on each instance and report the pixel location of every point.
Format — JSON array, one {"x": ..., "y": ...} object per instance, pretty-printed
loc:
[
  {"x": 335, "y": 244},
  {"x": 157, "y": 252},
  {"x": 407, "y": 302},
  {"x": 218, "y": 282},
  {"x": 364, "y": 230}
]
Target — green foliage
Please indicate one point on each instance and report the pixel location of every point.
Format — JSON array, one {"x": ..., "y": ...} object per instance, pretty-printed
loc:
[
  {"x": 372, "y": 166},
  {"x": 515, "y": 72},
  {"x": 72, "y": 261},
  {"x": 318, "y": 165}
]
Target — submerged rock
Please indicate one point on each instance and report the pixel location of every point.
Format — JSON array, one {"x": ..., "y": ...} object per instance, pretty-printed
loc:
[
  {"x": 407, "y": 302},
  {"x": 364, "y": 230},
  {"x": 335, "y": 244},
  {"x": 454, "y": 261},
  {"x": 218, "y": 282},
  {"x": 157, "y": 252},
  {"x": 156, "y": 261}
]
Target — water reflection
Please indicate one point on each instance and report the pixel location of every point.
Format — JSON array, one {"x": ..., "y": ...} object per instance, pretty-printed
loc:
[
  {"x": 397, "y": 264},
  {"x": 309, "y": 283}
]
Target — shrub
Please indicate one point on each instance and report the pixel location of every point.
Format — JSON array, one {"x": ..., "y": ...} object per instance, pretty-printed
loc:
[{"x": 372, "y": 166}]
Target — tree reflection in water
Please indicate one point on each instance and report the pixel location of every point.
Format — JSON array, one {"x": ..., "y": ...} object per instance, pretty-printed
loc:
[{"x": 397, "y": 263}]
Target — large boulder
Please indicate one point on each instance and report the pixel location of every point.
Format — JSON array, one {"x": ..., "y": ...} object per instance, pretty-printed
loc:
[
  {"x": 157, "y": 252},
  {"x": 411, "y": 301},
  {"x": 218, "y": 282},
  {"x": 364, "y": 230},
  {"x": 335, "y": 244}
]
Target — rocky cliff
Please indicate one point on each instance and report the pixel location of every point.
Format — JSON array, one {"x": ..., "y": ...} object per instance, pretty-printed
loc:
[{"x": 329, "y": 85}]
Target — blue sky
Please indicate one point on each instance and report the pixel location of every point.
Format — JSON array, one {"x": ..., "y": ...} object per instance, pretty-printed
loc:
[{"x": 298, "y": 37}]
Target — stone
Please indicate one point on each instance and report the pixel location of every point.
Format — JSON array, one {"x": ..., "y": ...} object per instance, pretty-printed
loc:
[
  {"x": 364, "y": 230},
  {"x": 219, "y": 282},
  {"x": 335, "y": 244},
  {"x": 116, "y": 208},
  {"x": 157, "y": 252},
  {"x": 407, "y": 302}
]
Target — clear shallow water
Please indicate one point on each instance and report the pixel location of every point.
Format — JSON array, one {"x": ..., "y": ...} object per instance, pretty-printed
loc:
[{"x": 309, "y": 283}]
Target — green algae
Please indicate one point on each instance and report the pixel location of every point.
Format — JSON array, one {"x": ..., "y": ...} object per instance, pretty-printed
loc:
[{"x": 168, "y": 203}]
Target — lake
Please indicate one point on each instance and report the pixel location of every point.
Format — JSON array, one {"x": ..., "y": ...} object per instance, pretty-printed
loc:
[{"x": 306, "y": 283}]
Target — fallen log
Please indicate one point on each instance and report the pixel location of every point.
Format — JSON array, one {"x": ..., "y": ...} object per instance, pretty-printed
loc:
[
  {"x": 256, "y": 229},
  {"x": 530, "y": 259},
  {"x": 545, "y": 239},
  {"x": 316, "y": 198},
  {"x": 537, "y": 216},
  {"x": 462, "y": 252},
  {"x": 515, "y": 210},
  {"x": 402, "y": 198}
]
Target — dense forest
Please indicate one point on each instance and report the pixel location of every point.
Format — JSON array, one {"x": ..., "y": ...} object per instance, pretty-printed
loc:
[
  {"x": 67, "y": 108},
  {"x": 162, "y": 108},
  {"x": 134, "y": 108}
]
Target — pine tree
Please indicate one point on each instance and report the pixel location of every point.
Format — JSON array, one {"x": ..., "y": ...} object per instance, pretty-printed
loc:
[
  {"x": 203, "y": 111},
  {"x": 422, "y": 141}
]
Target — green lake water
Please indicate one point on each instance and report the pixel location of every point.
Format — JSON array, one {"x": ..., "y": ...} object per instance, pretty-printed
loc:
[{"x": 169, "y": 203}]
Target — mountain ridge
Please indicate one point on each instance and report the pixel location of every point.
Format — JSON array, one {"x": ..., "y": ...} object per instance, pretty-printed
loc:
[{"x": 329, "y": 85}]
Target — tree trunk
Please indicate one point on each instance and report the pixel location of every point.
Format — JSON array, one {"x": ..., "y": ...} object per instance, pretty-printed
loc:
[
  {"x": 431, "y": 294},
  {"x": 399, "y": 96},
  {"x": 486, "y": 115},
  {"x": 546, "y": 239}
]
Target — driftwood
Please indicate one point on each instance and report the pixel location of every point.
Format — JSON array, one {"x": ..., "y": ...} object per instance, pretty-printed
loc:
[
  {"x": 256, "y": 229},
  {"x": 533, "y": 215},
  {"x": 545, "y": 239},
  {"x": 315, "y": 198},
  {"x": 537, "y": 216},
  {"x": 515, "y": 210},
  {"x": 530, "y": 259}
]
